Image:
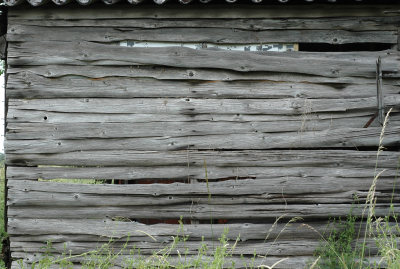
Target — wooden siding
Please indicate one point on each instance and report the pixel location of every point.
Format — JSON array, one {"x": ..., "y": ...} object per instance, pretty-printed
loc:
[{"x": 279, "y": 135}]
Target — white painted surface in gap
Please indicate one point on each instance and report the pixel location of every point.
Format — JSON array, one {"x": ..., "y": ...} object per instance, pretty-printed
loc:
[{"x": 237, "y": 47}]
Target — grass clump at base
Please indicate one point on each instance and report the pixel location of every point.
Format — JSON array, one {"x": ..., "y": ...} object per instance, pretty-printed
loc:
[
  {"x": 348, "y": 249},
  {"x": 105, "y": 257}
]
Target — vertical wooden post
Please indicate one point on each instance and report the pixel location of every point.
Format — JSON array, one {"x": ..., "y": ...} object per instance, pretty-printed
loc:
[{"x": 379, "y": 94}]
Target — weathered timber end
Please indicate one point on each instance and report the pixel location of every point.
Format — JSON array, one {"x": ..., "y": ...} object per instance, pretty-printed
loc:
[{"x": 271, "y": 109}]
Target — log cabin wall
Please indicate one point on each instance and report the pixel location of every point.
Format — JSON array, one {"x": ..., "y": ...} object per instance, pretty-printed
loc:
[{"x": 266, "y": 135}]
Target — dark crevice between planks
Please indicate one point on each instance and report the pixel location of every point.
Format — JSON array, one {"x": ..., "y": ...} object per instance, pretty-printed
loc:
[
  {"x": 184, "y": 221},
  {"x": 325, "y": 47}
]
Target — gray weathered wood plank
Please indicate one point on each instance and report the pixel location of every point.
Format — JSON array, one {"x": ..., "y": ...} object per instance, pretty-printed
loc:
[
  {"x": 301, "y": 124},
  {"x": 16, "y": 115},
  {"x": 203, "y": 211},
  {"x": 29, "y": 85},
  {"x": 238, "y": 158},
  {"x": 84, "y": 53},
  {"x": 23, "y": 33},
  {"x": 289, "y": 185},
  {"x": 240, "y": 262},
  {"x": 333, "y": 23},
  {"x": 194, "y": 106},
  {"x": 192, "y": 74},
  {"x": 19, "y": 198},
  {"x": 336, "y": 138},
  {"x": 194, "y": 171}
]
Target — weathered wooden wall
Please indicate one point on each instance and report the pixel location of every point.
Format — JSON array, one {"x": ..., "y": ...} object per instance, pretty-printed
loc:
[{"x": 281, "y": 134}]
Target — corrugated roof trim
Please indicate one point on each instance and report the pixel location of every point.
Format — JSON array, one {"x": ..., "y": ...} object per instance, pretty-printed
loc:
[{"x": 110, "y": 2}]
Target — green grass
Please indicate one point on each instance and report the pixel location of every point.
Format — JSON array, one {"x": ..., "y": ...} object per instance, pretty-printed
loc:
[
  {"x": 348, "y": 248},
  {"x": 106, "y": 256}
]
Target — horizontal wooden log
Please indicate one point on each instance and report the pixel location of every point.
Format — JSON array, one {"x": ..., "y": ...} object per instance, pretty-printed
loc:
[
  {"x": 190, "y": 171},
  {"x": 171, "y": 128},
  {"x": 34, "y": 86},
  {"x": 202, "y": 211},
  {"x": 23, "y": 33},
  {"x": 228, "y": 187},
  {"x": 86, "y": 230},
  {"x": 239, "y": 158},
  {"x": 120, "y": 230},
  {"x": 239, "y": 262},
  {"x": 338, "y": 138},
  {"x": 216, "y": 11},
  {"x": 337, "y": 119},
  {"x": 192, "y": 74},
  {"x": 278, "y": 248},
  {"x": 19, "y": 198},
  {"x": 334, "y": 23},
  {"x": 243, "y": 192},
  {"x": 84, "y": 53},
  {"x": 194, "y": 106}
]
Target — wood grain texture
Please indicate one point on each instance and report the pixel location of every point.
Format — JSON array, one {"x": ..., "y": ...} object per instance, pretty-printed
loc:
[
  {"x": 176, "y": 74},
  {"x": 30, "y": 86},
  {"x": 22, "y": 33},
  {"x": 202, "y": 211},
  {"x": 281, "y": 134},
  {"x": 109, "y": 130},
  {"x": 84, "y": 53},
  {"x": 254, "y": 24},
  {"x": 197, "y": 209},
  {"x": 282, "y": 263},
  {"x": 194, "y": 106},
  {"x": 238, "y": 158},
  {"x": 339, "y": 138}
]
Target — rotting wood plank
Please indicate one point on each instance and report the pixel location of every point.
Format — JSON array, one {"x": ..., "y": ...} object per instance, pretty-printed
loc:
[
  {"x": 192, "y": 74},
  {"x": 105, "y": 229},
  {"x": 337, "y": 138},
  {"x": 30, "y": 86},
  {"x": 22, "y": 33},
  {"x": 194, "y": 106},
  {"x": 85, "y": 130},
  {"x": 278, "y": 248},
  {"x": 194, "y": 172},
  {"x": 238, "y": 158},
  {"x": 333, "y": 23},
  {"x": 80, "y": 199},
  {"x": 288, "y": 185},
  {"x": 240, "y": 262},
  {"x": 203, "y": 211},
  {"x": 260, "y": 191},
  {"x": 84, "y": 53},
  {"x": 16, "y": 115},
  {"x": 205, "y": 12}
]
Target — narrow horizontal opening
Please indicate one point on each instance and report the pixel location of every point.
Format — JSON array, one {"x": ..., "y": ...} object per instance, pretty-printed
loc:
[
  {"x": 171, "y": 221},
  {"x": 74, "y": 180},
  {"x": 324, "y": 47}
]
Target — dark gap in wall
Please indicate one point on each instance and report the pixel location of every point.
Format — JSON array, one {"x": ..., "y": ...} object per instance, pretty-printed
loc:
[
  {"x": 325, "y": 47},
  {"x": 171, "y": 181},
  {"x": 185, "y": 221}
]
